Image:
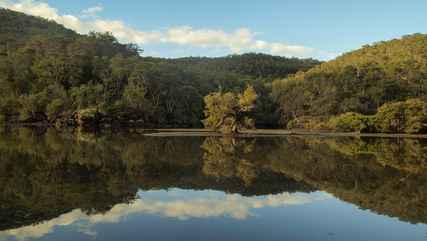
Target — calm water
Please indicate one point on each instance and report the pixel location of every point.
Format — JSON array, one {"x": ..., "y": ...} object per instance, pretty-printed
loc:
[{"x": 62, "y": 186}]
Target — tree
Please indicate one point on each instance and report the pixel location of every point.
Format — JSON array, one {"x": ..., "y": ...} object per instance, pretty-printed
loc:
[
  {"x": 406, "y": 116},
  {"x": 49, "y": 73},
  {"x": 228, "y": 112},
  {"x": 134, "y": 94},
  {"x": 359, "y": 81},
  {"x": 228, "y": 157}
]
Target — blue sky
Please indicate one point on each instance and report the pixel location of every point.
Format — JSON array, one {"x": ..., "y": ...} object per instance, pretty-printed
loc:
[{"x": 304, "y": 28}]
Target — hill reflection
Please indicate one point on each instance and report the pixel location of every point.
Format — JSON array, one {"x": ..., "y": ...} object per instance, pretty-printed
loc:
[{"x": 47, "y": 175}]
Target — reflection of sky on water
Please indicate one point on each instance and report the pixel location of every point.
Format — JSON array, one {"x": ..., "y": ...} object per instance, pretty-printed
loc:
[
  {"x": 175, "y": 203},
  {"x": 211, "y": 215}
]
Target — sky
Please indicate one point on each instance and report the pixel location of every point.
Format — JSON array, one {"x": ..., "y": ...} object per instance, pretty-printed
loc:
[{"x": 321, "y": 29}]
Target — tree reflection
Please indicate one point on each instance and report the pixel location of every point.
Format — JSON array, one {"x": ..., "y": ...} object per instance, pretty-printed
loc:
[
  {"x": 383, "y": 175},
  {"x": 45, "y": 174},
  {"x": 227, "y": 157}
]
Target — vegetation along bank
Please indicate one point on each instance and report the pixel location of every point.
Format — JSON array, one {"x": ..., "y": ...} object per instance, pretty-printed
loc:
[{"x": 51, "y": 75}]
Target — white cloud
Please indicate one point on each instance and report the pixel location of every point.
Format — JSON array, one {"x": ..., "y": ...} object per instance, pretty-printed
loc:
[
  {"x": 92, "y": 11},
  {"x": 177, "y": 205},
  {"x": 238, "y": 41}
]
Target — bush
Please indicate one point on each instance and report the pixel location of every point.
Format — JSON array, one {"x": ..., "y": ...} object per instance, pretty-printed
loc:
[
  {"x": 408, "y": 116},
  {"x": 390, "y": 118},
  {"x": 416, "y": 116},
  {"x": 308, "y": 123},
  {"x": 292, "y": 124},
  {"x": 316, "y": 124},
  {"x": 352, "y": 122},
  {"x": 54, "y": 108},
  {"x": 403, "y": 117}
]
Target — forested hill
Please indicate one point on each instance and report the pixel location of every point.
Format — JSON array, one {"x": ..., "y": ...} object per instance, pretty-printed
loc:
[
  {"x": 53, "y": 75},
  {"x": 17, "y": 28},
  {"x": 252, "y": 65},
  {"x": 362, "y": 81}
]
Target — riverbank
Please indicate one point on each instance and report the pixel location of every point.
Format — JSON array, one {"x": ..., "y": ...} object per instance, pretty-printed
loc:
[
  {"x": 272, "y": 132},
  {"x": 174, "y": 132}
]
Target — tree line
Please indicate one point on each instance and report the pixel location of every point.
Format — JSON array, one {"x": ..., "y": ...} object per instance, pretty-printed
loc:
[
  {"x": 54, "y": 76},
  {"x": 363, "y": 84},
  {"x": 51, "y": 75}
]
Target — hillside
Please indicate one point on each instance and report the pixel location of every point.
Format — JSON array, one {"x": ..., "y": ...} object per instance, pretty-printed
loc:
[
  {"x": 360, "y": 81},
  {"x": 16, "y": 28},
  {"x": 252, "y": 64},
  {"x": 52, "y": 75}
]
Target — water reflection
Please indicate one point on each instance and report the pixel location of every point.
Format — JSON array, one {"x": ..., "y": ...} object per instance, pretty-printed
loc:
[
  {"x": 52, "y": 179},
  {"x": 172, "y": 204}
]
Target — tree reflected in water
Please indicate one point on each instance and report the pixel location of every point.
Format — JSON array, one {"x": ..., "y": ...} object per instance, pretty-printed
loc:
[
  {"x": 46, "y": 174},
  {"x": 227, "y": 157}
]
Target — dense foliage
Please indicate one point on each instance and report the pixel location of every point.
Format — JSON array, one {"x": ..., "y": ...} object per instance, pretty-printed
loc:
[
  {"x": 46, "y": 174},
  {"x": 408, "y": 116},
  {"x": 52, "y": 75},
  {"x": 352, "y": 122},
  {"x": 359, "y": 81},
  {"x": 228, "y": 112}
]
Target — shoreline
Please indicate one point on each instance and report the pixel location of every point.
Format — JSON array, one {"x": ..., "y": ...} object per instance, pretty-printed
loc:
[
  {"x": 274, "y": 133},
  {"x": 201, "y": 132}
]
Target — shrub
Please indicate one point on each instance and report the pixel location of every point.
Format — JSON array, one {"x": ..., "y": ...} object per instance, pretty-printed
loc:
[
  {"x": 316, "y": 124},
  {"x": 390, "y": 118},
  {"x": 308, "y": 123},
  {"x": 292, "y": 124},
  {"x": 403, "y": 117},
  {"x": 408, "y": 116},
  {"x": 416, "y": 116},
  {"x": 352, "y": 122}
]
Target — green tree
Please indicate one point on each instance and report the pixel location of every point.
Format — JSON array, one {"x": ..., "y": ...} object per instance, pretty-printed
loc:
[
  {"x": 403, "y": 117},
  {"x": 50, "y": 73},
  {"x": 359, "y": 81},
  {"x": 228, "y": 112}
]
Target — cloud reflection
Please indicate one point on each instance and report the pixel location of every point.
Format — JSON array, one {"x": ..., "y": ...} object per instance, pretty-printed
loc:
[{"x": 177, "y": 204}]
